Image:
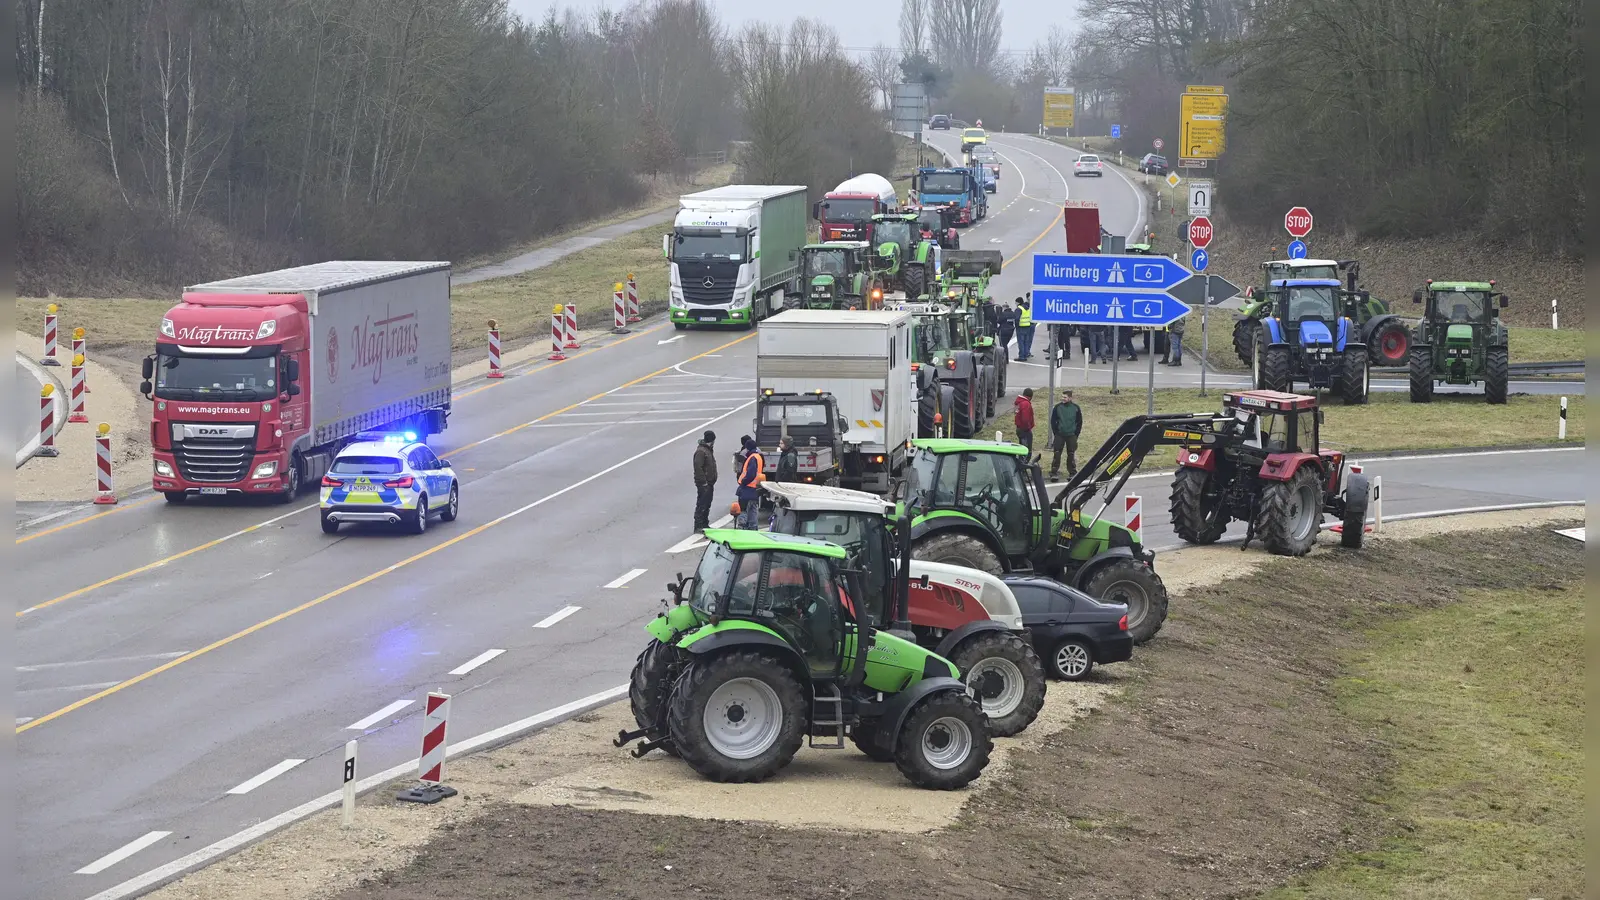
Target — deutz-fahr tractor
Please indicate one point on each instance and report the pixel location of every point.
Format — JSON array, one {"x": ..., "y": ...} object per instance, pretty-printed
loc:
[
  {"x": 966, "y": 616},
  {"x": 908, "y": 262},
  {"x": 1383, "y": 332},
  {"x": 773, "y": 640},
  {"x": 1261, "y": 462},
  {"x": 966, "y": 288},
  {"x": 984, "y": 505},
  {"x": 959, "y": 388},
  {"x": 839, "y": 275},
  {"x": 1305, "y": 338},
  {"x": 1460, "y": 339}
]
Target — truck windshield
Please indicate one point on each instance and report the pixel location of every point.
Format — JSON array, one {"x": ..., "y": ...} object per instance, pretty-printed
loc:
[
  {"x": 1462, "y": 306},
  {"x": 709, "y": 245},
  {"x": 944, "y": 183},
  {"x": 804, "y": 413},
  {"x": 1316, "y": 302},
  {"x": 825, "y": 262},
  {"x": 216, "y": 377},
  {"x": 856, "y": 211}
]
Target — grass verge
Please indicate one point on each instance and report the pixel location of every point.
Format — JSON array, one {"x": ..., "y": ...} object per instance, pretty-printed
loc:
[
  {"x": 1389, "y": 422},
  {"x": 1482, "y": 704}
]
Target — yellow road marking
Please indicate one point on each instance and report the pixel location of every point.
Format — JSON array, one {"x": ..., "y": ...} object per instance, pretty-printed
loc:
[{"x": 99, "y": 515}]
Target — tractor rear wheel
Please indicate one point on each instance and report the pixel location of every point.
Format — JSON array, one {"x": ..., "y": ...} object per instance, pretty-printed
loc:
[
  {"x": 1289, "y": 513},
  {"x": 915, "y": 279},
  {"x": 1355, "y": 377},
  {"x": 944, "y": 743},
  {"x": 1421, "y": 375},
  {"x": 959, "y": 549},
  {"x": 1390, "y": 345},
  {"x": 1007, "y": 677},
  {"x": 1496, "y": 374},
  {"x": 1134, "y": 583},
  {"x": 1272, "y": 368},
  {"x": 1198, "y": 513},
  {"x": 1244, "y": 339},
  {"x": 737, "y": 717},
  {"x": 965, "y": 418},
  {"x": 650, "y": 689}
]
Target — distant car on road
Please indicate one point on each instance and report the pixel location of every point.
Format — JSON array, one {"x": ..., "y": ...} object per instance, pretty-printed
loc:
[
  {"x": 389, "y": 479},
  {"x": 1151, "y": 164},
  {"x": 972, "y": 137},
  {"x": 1071, "y": 631},
  {"x": 941, "y": 122},
  {"x": 984, "y": 155},
  {"x": 1088, "y": 164}
]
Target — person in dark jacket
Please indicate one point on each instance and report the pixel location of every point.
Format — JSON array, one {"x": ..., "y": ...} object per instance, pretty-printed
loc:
[
  {"x": 738, "y": 455},
  {"x": 788, "y": 461},
  {"x": 749, "y": 490},
  {"x": 1066, "y": 423},
  {"x": 1006, "y": 325},
  {"x": 705, "y": 479}
]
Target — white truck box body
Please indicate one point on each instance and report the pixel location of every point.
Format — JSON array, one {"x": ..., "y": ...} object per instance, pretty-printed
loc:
[
  {"x": 380, "y": 339},
  {"x": 863, "y": 358}
]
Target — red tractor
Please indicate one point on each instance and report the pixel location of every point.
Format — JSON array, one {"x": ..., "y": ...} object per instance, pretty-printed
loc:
[{"x": 1262, "y": 463}]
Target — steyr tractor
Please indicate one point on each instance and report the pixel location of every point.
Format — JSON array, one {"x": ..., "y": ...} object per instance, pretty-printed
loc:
[
  {"x": 1460, "y": 339},
  {"x": 773, "y": 640},
  {"x": 1383, "y": 332},
  {"x": 1305, "y": 338},
  {"x": 984, "y": 505},
  {"x": 966, "y": 616},
  {"x": 1261, "y": 462},
  {"x": 908, "y": 262},
  {"x": 839, "y": 275}
]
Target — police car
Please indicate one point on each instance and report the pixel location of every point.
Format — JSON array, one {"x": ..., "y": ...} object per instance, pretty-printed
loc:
[{"x": 389, "y": 478}]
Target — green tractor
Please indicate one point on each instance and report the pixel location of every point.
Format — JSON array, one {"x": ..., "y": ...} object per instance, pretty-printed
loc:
[
  {"x": 1383, "y": 332},
  {"x": 1460, "y": 339},
  {"x": 839, "y": 275},
  {"x": 771, "y": 642},
  {"x": 984, "y": 505},
  {"x": 966, "y": 287},
  {"x": 958, "y": 387},
  {"x": 909, "y": 262}
]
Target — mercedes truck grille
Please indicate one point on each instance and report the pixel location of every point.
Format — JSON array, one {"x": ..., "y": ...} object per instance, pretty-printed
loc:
[
  {"x": 213, "y": 460},
  {"x": 708, "y": 289}
]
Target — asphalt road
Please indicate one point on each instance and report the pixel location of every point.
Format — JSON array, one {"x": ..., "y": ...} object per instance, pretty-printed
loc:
[{"x": 185, "y": 672}]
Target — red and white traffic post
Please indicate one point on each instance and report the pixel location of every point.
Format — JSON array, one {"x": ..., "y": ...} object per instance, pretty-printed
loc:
[
  {"x": 79, "y": 348},
  {"x": 50, "y": 336},
  {"x": 572, "y": 326},
  {"x": 77, "y": 415},
  {"x": 558, "y": 327},
  {"x": 633, "y": 299},
  {"x": 104, "y": 495},
  {"x": 1133, "y": 515},
  {"x": 619, "y": 311},
  {"x": 430, "y": 766},
  {"x": 47, "y": 422},
  {"x": 494, "y": 350}
]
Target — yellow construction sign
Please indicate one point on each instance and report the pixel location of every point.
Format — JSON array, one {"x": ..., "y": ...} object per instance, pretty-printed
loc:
[
  {"x": 1202, "y": 123},
  {"x": 1060, "y": 106}
]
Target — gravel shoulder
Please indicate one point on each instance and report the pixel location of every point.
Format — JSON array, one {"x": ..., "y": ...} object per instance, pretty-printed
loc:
[{"x": 1217, "y": 765}]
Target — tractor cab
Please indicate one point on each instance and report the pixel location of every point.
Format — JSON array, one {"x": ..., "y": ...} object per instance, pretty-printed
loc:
[
  {"x": 938, "y": 224},
  {"x": 1460, "y": 339},
  {"x": 908, "y": 261},
  {"x": 1274, "y": 422},
  {"x": 836, "y": 274}
]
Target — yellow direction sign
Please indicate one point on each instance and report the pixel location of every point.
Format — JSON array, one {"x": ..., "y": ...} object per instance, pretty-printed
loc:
[
  {"x": 1060, "y": 107},
  {"x": 1202, "y": 125},
  {"x": 1205, "y": 89}
]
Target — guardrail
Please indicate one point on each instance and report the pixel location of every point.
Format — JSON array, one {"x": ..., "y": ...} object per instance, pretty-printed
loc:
[
  {"x": 1564, "y": 367},
  {"x": 704, "y": 160}
]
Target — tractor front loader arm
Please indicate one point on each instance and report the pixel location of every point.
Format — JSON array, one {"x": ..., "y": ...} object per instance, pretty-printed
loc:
[{"x": 1130, "y": 443}]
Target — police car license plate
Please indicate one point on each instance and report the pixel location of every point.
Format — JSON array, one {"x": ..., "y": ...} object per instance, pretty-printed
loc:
[
  {"x": 213, "y": 490},
  {"x": 363, "y": 486}
]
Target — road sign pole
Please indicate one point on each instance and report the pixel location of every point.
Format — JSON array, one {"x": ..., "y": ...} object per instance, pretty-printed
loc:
[
  {"x": 1116, "y": 351},
  {"x": 1051, "y": 398},
  {"x": 1205, "y": 335},
  {"x": 1150, "y": 387}
]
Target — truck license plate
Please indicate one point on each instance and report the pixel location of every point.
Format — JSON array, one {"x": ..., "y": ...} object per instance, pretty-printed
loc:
[
  {"x": 708, "y": 316},
  {"x": 213, "y": 490}
]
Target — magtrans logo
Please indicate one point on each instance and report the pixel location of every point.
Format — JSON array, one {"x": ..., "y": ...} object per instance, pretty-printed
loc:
[
  {"x": 332, "y": 352},
  {"x": 394, "y": 339}
]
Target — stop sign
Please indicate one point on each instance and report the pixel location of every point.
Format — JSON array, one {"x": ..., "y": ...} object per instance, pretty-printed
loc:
[
  {"x": 1297, "y": 221},
  {"x": 1200, "y": 232}
]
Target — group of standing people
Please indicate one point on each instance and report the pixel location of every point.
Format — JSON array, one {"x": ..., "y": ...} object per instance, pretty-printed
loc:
[
  {"x": 749, "y": 469},
  {"x": 1095, "y": 340}
]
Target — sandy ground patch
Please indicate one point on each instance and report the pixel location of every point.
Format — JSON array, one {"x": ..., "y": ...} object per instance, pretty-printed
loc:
[{"x": 113, "y": 398}]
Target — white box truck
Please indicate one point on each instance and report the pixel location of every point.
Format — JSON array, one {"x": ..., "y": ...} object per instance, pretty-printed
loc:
[
  {"x": 734, "y": 253},
  {"x": 862, "y": 359}
]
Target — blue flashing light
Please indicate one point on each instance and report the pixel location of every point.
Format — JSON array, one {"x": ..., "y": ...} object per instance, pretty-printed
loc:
[{"x": 411, "y": 436}]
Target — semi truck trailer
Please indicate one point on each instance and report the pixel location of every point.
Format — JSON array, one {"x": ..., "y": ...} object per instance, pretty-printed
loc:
[{"x": 734, "y": 253}]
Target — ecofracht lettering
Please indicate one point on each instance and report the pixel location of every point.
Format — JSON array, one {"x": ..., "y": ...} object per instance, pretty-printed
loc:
[{"x": 375, "y": 343}]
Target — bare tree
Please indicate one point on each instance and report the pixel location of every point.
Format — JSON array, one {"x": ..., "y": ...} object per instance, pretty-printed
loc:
[
  {"x": 1050, "y": 57},
  {"x": 913, "y": 27},
  {"x": 883, "y": 67},
  {"x": 966, "y": 32}
]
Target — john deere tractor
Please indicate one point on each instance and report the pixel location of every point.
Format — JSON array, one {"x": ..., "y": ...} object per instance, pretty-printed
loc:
[
  {"x": 909, "y": 263},
  {"x": 773, "y": 640},
  {"x": 839, "y": 275},
  {"x": 1306, "y": 338},
  {"x": 1460, "y": 339}
]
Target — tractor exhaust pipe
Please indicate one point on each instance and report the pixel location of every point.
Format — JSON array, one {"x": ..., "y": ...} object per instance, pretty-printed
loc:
[{"x": 902, "y": 580}]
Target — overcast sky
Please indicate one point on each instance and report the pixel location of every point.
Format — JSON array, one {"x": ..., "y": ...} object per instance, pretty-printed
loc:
[{"x": 860, "y": 23}]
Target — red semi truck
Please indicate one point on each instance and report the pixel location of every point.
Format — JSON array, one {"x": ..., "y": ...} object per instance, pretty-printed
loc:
[
  {"x": 256, "y": 382},
  {"x": 1081, "y": 219}
]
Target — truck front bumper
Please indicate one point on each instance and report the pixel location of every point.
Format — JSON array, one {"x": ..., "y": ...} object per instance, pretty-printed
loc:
[
  {"x": 712, "y": 316},
  {"x": 165, "y": 478}
]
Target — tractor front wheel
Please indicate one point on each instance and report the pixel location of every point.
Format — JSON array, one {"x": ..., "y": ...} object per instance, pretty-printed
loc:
[
  {"x": 1136, "y": 585},
  {"x": 737, "y": 717},
  {"x": 956, "y": 549},
  {"x": 1421, "y": 375},
  {"x": 1289, "y": 513},
  {"x": 650, "y": 689},
  {"x": 1007, "y": 676},
  {"x": 1357, "y": 491},
  {"x": 915, "y": 279},
  {"x": 1355, "y": 377},
  {"x": 944, "y": 743},
  {"x": 1496, "y": 374},
  {"x": 1272, "y": 366},
  {"x": 1198, "y": 513}
]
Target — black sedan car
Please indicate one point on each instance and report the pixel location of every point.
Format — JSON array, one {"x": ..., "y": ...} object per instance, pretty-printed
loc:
[
  {"x": 1071, "y": 631},
  {"x": 1152, "y": 164},
  {"x": 939, "y": 122}
]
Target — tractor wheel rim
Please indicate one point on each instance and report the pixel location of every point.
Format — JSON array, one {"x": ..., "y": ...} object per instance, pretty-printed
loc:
[
  {"x": 946, "y": 742},
  {"x": 1131, "y": 594},
  {"x": 999, "y": 685},
  {"x": 1394, "y": 346},
  {"x": 742, "y": 718},
  {"x": 1302, "y": 511},
  {"x": 1072, "y": 660}
]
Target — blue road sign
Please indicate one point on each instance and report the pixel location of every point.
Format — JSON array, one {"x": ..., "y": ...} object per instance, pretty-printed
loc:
[
  {"x": 1129, "y": 273},
  {"x": 1116, "y": 131},
  {"x": 1297, "y": 249},
  {"x": 1107, "y": 307},
  {"x": 1199, "y": 259}
]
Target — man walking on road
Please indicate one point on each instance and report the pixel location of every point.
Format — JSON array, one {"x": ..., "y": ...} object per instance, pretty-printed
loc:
[
  {"x": 749, "y": 491},
  {"x": 705, "y": 479},
  {"x": 1023, "y": 418},
  {"x": 1066, "y": 422},
  {"x": 1025, "y": 327}
]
